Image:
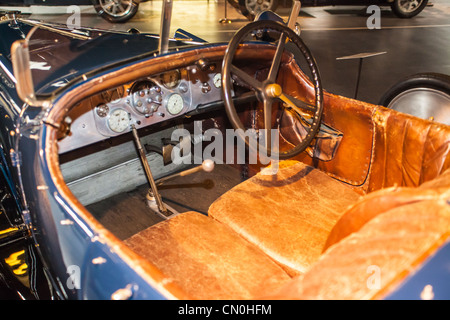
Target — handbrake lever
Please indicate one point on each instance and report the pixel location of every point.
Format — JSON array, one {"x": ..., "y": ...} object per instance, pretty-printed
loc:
[{"x": 207, "y": 166}]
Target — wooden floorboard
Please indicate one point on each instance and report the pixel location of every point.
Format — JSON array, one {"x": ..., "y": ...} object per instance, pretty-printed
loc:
[{"x": 127, "y": 213}]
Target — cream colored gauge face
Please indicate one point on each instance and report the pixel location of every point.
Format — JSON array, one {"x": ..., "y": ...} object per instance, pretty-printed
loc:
[
  {"x": 171, "y": 79},
  {"x": 175, "y": 104},
  {"x": 217, "y": 80},
  {"x": 119, "y": 120}
]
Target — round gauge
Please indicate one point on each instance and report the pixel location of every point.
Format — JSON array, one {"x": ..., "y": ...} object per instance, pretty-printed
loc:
[
  {"x": 119, "y": 120},
  {"x": 217, "y": 80},
  {"x": 174, "y": 104},
  {"x": 171, "y": 79},
  {"x": 141, "y": 85}
]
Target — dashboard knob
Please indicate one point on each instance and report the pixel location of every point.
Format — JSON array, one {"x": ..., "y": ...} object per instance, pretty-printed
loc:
[
  {"x": 208, "y": 165},
  {"x": 206, "y": 87},
  {"x": 183, "y": 87}
]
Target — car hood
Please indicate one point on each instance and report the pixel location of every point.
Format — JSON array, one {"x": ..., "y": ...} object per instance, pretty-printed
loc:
[{"x": 59, "y": 55}]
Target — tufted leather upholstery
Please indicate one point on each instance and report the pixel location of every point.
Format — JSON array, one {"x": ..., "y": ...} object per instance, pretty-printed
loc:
[
  {"x": 287, "y": 216},
  {"x": 382, "y": 148},
  {"x": 407, "y": 150}
]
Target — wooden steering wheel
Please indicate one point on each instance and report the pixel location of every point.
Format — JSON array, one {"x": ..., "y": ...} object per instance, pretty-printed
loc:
[{"x": 268, "y": 90}]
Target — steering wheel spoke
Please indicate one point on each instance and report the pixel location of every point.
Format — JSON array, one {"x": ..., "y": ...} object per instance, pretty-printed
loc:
[
  {"x": 275, "y": 67},
  {"x": 248, "y": 79},
  {"x": 298, "y": 105},
  {"x": 268, "y": 122}
]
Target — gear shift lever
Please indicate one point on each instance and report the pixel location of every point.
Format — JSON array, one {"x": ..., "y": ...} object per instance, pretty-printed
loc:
[
  {"x": 154, "y": 200},
  {"x": 153, "y": 190}
]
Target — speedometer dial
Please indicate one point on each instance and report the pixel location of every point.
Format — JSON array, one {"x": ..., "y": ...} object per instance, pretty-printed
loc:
[
  {"x": 174, "y": 104},
  {"x": 119, "y": 120}
]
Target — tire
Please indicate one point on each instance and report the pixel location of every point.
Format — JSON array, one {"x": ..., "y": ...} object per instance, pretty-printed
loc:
[
  {"x": 251, "y": 8},
  {"x": 257, "y": 6},
  {"x": 424, "y": 95},
  {"x": 408, "y": 8},
  {"x": 116, "y": 11}
]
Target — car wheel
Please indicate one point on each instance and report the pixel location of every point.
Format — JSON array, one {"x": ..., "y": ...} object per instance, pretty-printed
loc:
[
  {"x": 257, "y": 6},
  {"x": 424, "y": 95},
  {"x": 116, "y": 10},
  {"x": 408, "y": 8},
  {"x": 251, "y": 8}
]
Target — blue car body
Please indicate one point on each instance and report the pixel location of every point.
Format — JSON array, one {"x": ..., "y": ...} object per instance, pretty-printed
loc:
[{"x": 66, "y": 250}]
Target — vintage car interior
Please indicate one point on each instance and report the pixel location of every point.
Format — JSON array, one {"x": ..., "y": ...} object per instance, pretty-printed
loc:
[{"x": 358, "y": 200}]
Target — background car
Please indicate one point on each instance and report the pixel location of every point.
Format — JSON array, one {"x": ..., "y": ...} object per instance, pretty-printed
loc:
[
  {"x": 401, "y": 8},
  {"x": 110, "y": 10},
  {"x": 424, "y": 95}
]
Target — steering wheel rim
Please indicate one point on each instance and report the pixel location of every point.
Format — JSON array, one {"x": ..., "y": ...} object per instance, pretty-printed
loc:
[{"x": 268, "y": 89}]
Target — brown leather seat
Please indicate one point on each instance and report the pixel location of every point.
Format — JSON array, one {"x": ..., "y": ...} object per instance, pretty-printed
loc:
[
  {"x": 289, "y": 215},
  {"x": 369, "y": 263},
  {"x": 206, "y": 259},
  {"x": 407, "y": 151},
  {"x": 383, "y": 200},
  {"x": 209, "y": 260}
]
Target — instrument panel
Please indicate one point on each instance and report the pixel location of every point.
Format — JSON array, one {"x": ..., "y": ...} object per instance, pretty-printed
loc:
[
  {"x": 145, "y": 102},
  {"x": 158, "y": 98}
]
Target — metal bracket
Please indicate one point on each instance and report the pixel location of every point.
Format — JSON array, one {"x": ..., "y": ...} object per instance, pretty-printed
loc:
[{"x": 360, "y": 56}]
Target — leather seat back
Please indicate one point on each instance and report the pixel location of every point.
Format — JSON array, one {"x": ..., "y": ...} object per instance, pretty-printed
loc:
[
  {"x": 371, "y": 262},
  {"x": 407, "y": 150},
  {"x": 387, "y": 148}
]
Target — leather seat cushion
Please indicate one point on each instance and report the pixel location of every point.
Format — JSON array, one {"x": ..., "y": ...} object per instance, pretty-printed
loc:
[
  {"x": 288, "y": 215},
  {"x": 206, "y": 259},
  {"x": 370, "y": 262},
  {"x": 383, "y": 200}
]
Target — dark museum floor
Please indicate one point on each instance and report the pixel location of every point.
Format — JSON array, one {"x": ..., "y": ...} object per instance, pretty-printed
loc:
[{"x": 420, "y": 44}]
